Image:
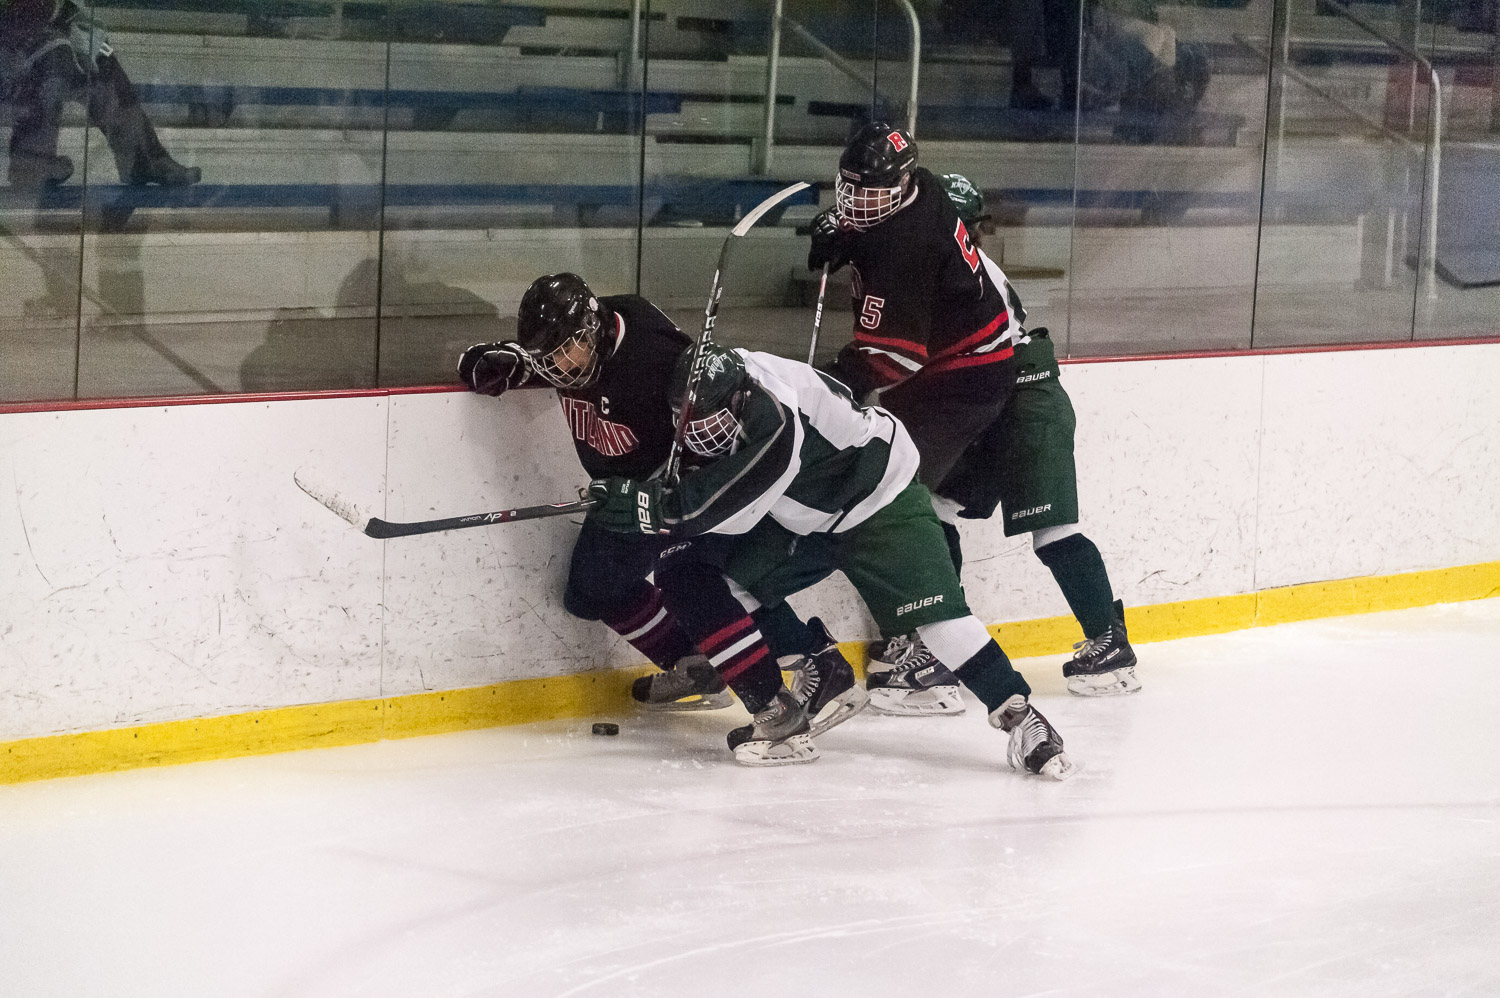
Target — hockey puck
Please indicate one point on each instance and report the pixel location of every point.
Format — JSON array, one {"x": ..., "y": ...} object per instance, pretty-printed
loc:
[{"x": 606, "y": 728}]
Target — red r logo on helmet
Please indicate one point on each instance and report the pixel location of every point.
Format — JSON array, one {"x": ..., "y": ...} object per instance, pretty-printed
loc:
[{"x": 897, "y": 142}]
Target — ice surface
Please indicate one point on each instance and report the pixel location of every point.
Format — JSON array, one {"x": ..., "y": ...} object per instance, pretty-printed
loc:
[{"x": 1312, "y": 809}]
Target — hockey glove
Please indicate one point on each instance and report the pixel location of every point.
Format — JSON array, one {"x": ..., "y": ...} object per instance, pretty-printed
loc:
[
  {"x": 494, "y": 368},
  {"x": 830, "y": 242},
  {"x": 627, "y": 505}
]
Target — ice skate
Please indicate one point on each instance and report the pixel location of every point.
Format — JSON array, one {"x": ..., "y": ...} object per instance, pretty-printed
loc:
[
  {"x": 691, "y": 684},
  {"x": 1104, "y": 666},
  {"x": 824, "y": 684},
  {"x": 1035, "y": 745},
  {"x": 778, "y": 736},
  {"x": 905, "y": 679}
]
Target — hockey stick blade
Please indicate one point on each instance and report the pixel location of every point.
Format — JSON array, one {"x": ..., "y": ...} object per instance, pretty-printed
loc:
[
  {"x": 341, "y": 507},
  {"x": 375, "y": 527}
]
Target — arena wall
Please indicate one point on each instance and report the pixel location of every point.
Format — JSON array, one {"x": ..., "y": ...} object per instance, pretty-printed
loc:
[{"x": 158, "y": 564}]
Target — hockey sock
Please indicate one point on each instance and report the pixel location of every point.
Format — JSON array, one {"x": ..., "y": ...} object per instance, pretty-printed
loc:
[
  {"x": 1079, "y": 570},
  {"x": 640, "y": 618},
  {"x": 698, "y": 595},
  {"x": 744, "y": 661},
  {"x": 785, "y": 632},
  {"x": 985, "y": 669},
  {"x": 990, "y": 676}
]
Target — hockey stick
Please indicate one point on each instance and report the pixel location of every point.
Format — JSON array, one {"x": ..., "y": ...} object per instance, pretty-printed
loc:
[
  {"x": 376, "y": 527},
  {"x": 710, "y": 314},
  {"x": 812, "y": 348}
]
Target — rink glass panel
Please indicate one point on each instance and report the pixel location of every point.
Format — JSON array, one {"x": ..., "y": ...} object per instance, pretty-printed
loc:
[
  {"x": 706, "y": 163},
  {"x": 1170, "y": 133},
  {"x": 1463, "y": 41},
  {"x": 40, "y": 248},
  {"x": 1344, "y": 207},
  {"x": 381, "y": 183},
  {"x": 263, "y": 276},
  {"x": 513, "y": 150}
]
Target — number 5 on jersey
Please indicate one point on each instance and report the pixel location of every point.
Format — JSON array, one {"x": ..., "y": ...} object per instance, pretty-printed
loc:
[{"x": 869, "y": 313}]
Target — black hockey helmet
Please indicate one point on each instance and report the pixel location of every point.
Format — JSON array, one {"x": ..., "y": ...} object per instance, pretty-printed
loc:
[
  {"x": 874, "y": 174},
  {"x": 559, "y": 323},
  {"x": 713, "y": 426}
]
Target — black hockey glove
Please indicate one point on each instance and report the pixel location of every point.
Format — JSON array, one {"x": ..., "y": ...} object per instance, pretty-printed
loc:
[
  {"x": 494, "y": 368},
  {"x": 627, "y": 505},
  {"x": 830, "y": 242}
]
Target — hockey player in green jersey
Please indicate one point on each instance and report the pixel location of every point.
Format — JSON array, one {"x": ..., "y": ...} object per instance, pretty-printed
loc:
[
  {"x": 793, "y": 481},
  {"x": 1023, "y": 463}
]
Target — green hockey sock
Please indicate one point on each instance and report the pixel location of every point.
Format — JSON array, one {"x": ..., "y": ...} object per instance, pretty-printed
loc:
[{"x": 1079, "y": 570}]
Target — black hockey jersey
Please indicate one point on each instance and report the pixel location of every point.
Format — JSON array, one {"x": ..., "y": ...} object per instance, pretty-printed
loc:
[
  {"x": 926, "y": 313},
  {"x": 621, "y": 424}
]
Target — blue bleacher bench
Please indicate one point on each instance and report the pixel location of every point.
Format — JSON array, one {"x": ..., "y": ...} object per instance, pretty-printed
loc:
[{"x": 711, "y": 201}]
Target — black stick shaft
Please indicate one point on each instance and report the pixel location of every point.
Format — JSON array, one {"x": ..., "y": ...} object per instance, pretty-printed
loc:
[
  {"x": 377, "y": 527},
  {"x": 812, "y": 348}
]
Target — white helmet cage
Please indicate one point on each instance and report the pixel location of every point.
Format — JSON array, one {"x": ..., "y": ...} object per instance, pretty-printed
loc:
[
  {"x": 567, "y": 366},
  {"x": 861, "y": 207},
  {"x": 715, "y": 434}
]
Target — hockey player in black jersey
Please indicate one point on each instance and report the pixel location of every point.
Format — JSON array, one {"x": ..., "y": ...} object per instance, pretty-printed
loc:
[
  {"x": 610, "y": 359},
  {"x": 794, "y": 481},
  {"x": 932, "y": 330}
]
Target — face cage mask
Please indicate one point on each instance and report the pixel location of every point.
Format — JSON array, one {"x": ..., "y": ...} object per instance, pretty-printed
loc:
[
  {"x": 714, "y": 435},
  {"x": 580, "y": 374},
  {"x": 862, "y": 207}
]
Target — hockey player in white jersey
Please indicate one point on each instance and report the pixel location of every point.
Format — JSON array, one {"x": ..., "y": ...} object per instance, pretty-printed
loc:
[{"x": 794, "y": 481}]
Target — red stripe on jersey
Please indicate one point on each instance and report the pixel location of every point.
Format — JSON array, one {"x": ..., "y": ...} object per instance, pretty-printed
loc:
[
  {"x": 973, "y": 360},
  {"x": 974, "y": 339},
  {"x": 726, "y": 636},
  {"x": 917, "y": 350}
]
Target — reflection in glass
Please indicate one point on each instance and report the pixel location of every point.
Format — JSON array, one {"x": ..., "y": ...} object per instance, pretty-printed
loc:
[{"x": 1170, "y": 133}]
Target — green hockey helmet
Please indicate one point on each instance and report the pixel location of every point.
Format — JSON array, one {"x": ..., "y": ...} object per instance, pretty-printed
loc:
[
  {"x": 966, "y": 198},
  {"x": 713, "y": 426}
]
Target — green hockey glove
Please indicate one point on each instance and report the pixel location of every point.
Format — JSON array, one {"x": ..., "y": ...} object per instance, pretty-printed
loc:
[{"x": 627, "y": 505}]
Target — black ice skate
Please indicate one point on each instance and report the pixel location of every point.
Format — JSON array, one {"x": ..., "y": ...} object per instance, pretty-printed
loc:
[
  {"x": 778, "y": 736},
  {"x": 824, "y": 684},
  {"x": 1035, "y": 745},
  {"x": 691, "y": 684},
  {"x": 1104, "y": 666},
  {"x": 904, "y": 678}
]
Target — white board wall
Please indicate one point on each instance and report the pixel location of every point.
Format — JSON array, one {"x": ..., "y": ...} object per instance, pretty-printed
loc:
[{"x": 158, "y": 563}]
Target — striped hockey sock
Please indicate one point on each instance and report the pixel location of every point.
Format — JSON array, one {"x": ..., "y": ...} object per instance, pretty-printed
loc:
[
  {"x": 642, "y": 620},
  {"x": 744, "y": 661}
]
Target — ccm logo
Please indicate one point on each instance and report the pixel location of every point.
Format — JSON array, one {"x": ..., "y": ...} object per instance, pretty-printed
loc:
[
  {"x": 1030, "y": 512},
  {"x": 918, "y": 604}
]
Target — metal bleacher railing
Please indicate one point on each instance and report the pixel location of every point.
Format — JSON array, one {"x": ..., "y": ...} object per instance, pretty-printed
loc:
[
  {"x": 1427, "y": 261},
  {"x": 773, "y": 62}
]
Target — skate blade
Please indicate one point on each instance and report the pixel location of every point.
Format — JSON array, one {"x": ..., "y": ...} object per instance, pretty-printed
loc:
[
  {"x": 839, "y": 709},
  {"x": 705, "y": 701},
  {"x": 1120, "y": 682},
  {"x": 1058, "y": 768},
  {"x": 794, "y": 750},
  {"x": 936, "y": 701}
]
